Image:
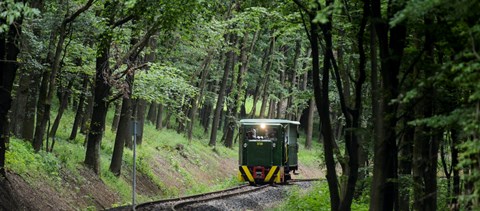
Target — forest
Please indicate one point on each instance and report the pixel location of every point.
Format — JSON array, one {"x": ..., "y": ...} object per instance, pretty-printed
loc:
[{"x": 390, "y": 89}]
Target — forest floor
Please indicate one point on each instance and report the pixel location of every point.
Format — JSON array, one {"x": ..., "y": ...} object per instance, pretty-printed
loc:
[{"x": 175, "y": 170}]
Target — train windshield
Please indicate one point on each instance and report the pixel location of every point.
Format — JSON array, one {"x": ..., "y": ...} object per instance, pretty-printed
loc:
[{"x": 261, "y": 132}]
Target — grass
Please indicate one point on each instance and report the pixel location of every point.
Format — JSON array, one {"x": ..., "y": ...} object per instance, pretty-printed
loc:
[
  {"x": 316, "y": 198},
  {"x": 310, "y": 157}
]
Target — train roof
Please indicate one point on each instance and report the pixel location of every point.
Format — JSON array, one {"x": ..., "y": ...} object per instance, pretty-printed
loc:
[{"x": 267, "y": 121}]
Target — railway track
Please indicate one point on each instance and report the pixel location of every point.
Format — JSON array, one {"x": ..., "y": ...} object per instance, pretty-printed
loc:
[
  {"x": 222, "y": 195},
  {"x": 304, "y": 180},
  {"x": 190, "y": 201},
  {"x": 178, "y": 203}
]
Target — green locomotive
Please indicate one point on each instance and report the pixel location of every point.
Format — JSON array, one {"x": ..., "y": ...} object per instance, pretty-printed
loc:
[{"x": 267, "y": 150}]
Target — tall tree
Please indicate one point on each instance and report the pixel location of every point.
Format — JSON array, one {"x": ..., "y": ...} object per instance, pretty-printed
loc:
[
  {"x": 351, "y": 110},
  {"x": 231, "y": 40},
  {"x": 321, "y": 90},
  {"x": 205, "y": 66},
  {"x": 391, "y": 44},
  {"x": 221, "y": 93},
  {"x": 237, "y": 90},
  {"x": 102, "y": 89},
  {"x": 124, "y": 130},
  {"x": 79, "y": 115},
  {"x": 10, "y": 30},
  {"x": 8, "y": 54}
]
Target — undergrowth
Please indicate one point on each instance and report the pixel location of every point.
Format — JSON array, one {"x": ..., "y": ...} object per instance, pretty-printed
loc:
[{"x": 316, "y": 198}]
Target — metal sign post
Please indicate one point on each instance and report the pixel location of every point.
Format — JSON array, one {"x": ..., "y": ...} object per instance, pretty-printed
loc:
[{"x": 134, "y": 182}]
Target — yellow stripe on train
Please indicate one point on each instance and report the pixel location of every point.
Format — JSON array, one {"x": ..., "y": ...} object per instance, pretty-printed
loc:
[
  {"x": 270, "y": 173},
  {"x": 247, "y": 172},
  {"x": 279, "y": 177}
]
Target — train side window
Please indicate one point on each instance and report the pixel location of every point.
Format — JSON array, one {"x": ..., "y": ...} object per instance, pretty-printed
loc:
[
  {"x": 273, "y": 134},
  {"x": 252, "y": 134}
]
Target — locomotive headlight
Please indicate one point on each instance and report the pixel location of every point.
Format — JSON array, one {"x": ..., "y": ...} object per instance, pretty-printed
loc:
[
  {"x": 245, "y": 145},
  {"x": 262, "y": 126}
]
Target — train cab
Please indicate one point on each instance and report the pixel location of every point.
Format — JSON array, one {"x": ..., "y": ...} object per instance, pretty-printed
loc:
[{"x": 268, "y": 150}]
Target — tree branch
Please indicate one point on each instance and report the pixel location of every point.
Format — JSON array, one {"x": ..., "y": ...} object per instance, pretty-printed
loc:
[
  {"x": 303, "y": 7},
  {"x": 120, "y": 94},
  {"x": 70, "y": 32},
  {"x": 128, "y": 71},
  {"x": 305, "y": 26},
  {"x": 122, "y": 21},
  {"x": 78, "y": 12}
]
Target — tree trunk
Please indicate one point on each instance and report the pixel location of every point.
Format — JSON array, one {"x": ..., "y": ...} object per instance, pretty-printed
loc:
[
  {"x": 150, "y": 57},
  {"x": 132, "y": 116},
  {"x": 42, "y": 96},
  {"x": 221, "y": 92},
  {"x": 8, "y": 52},
  {"x": 63, "y": 105},
  {"x": 306, "y": 81},
  {"x": 447, "y": 169},
  {"x": 100, "y": 106},
  {"x": 322, "y": 102},
  {"x": 166, "y": 121},
  {"x": 28, "y": 125},
  {"x": 266, "y": 80},
  {"x": 237, "y": 90},
  {"x": 159, "y": 122},
  {"x": 123, "y": 136},
  {"x": 256, "y": 93},
  {"x": 405, "y": 161},
  {"x": 352, "y": 113},
  {"x": 37, "y": 140},
  {"x": 85, "y": 125},
  {"x": 293, "y": 79},
  {"x": 280, "y": 114},
  {"x": 182, "y": 121},
  {"x": 426, "y": 141},
  {"x": 424, "y": 184},
  {"x": 116, "y": 116},
  {"x": 271, "y": 109},
  {"x": 141, "y": 108},
  {"x": 207, "y": 117},
  {"x": 243, "y": 109},
  {"x": 79, "y": 115},
  {"x": 260, "y": 83},
  {"x": 308, "y": 140},
  {"x": 152, "y": 113},
  {"x": 18, "y": 113},
  {"x": 384, "y": 195},
  {"x": 196, "y": 101},
  {"x": 456, "y": 171}
]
